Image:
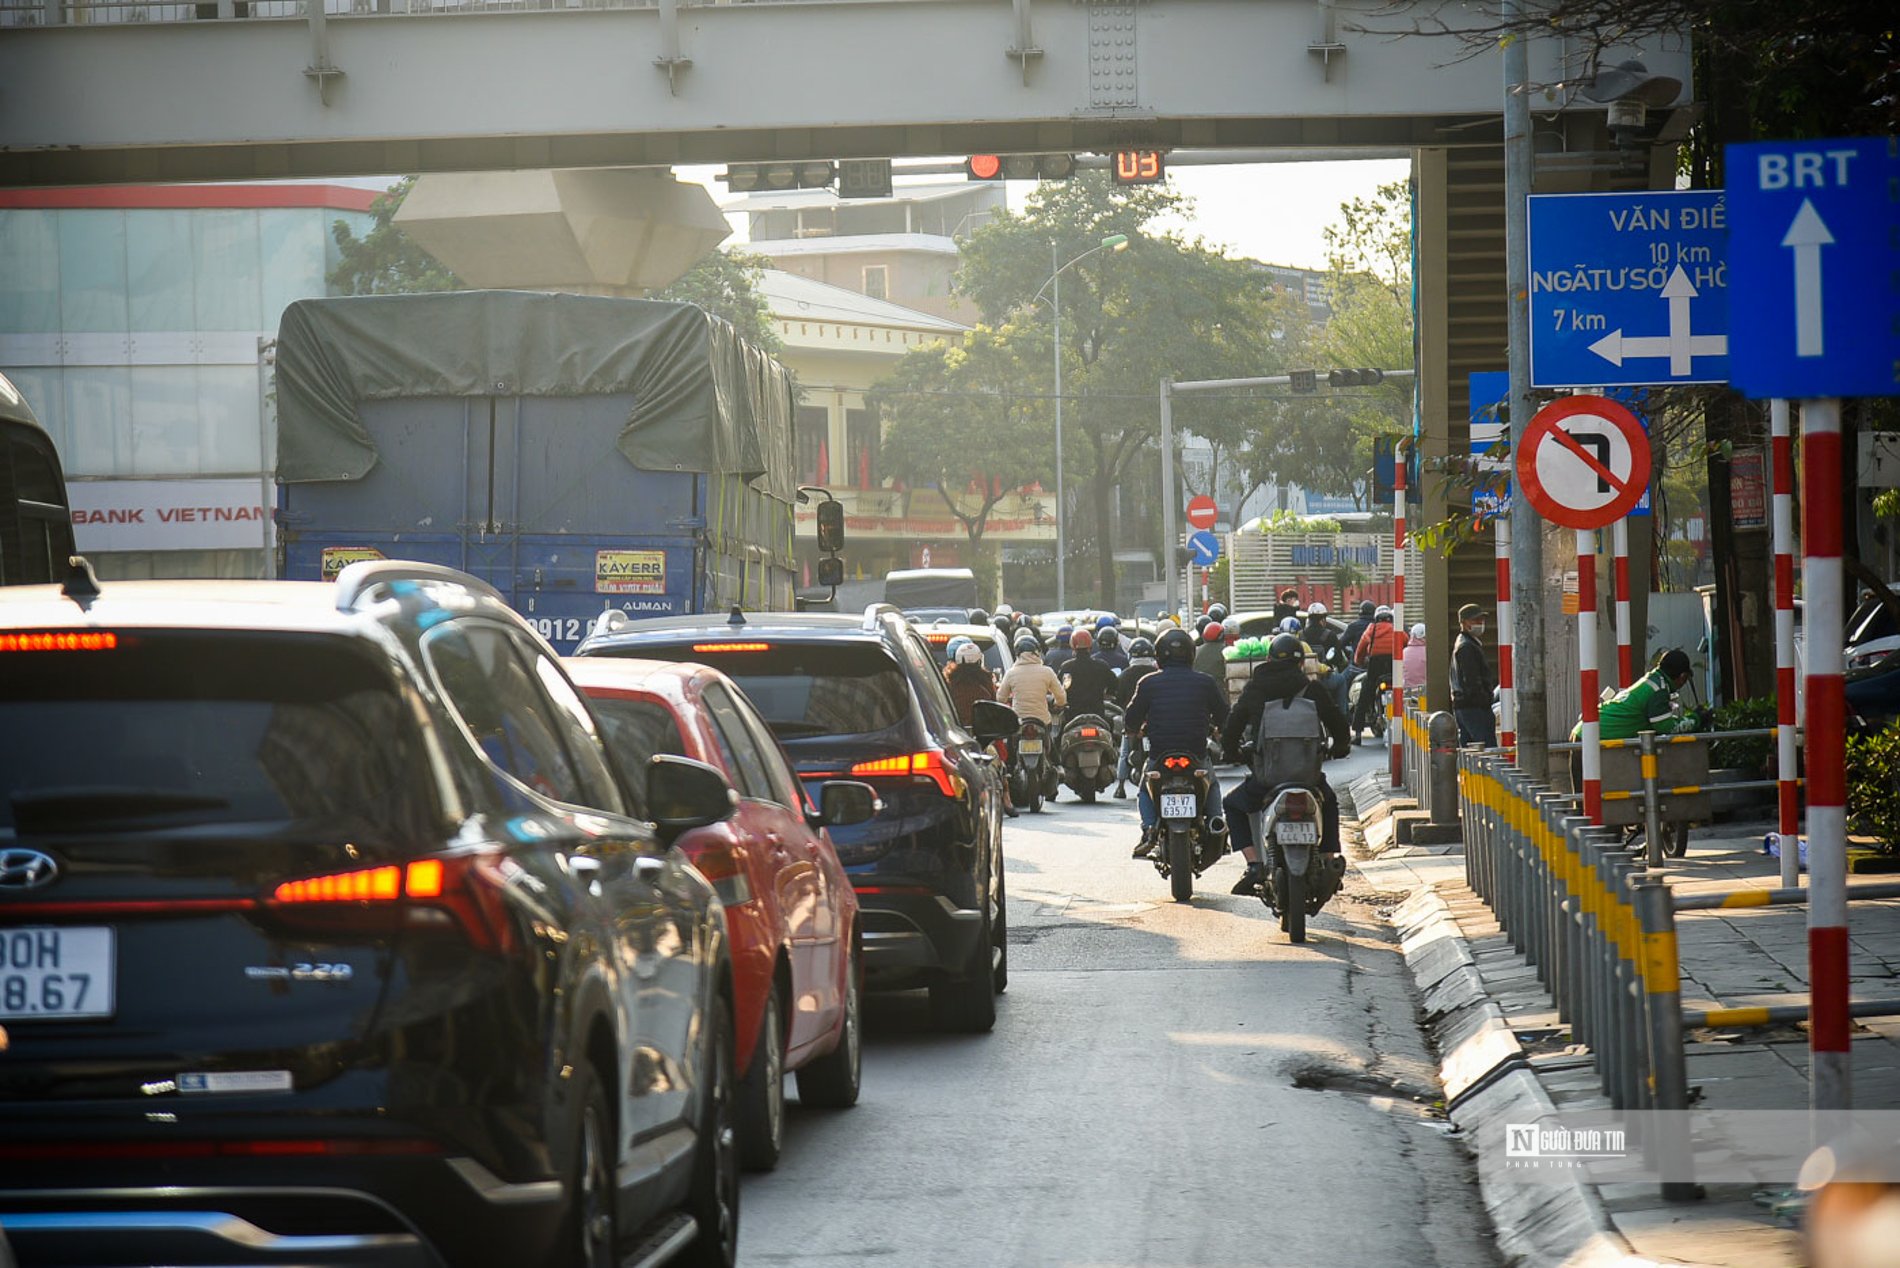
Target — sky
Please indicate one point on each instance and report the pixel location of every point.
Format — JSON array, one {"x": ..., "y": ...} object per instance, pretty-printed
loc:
[{"x": 1274, "y": 212}]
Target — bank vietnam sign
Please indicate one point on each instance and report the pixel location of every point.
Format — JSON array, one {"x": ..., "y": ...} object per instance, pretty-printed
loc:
[{"x": 200, "y": 514}]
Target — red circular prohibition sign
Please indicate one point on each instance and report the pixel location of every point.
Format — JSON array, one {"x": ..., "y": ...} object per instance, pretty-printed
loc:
[{"x": 1590, "y": 473}]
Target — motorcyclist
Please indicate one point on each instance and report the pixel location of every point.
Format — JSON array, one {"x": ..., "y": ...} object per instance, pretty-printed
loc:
[
  {"x": 1327, "y": 648},
  {"x": 1030, "y": 686},
  {"x": 1379, "y": 650},
  {"x": 1278, "y": 677},
  {"x": 1176, "y": 708},
  {"x": 1058, "y": 656},
  {"x": 1287, "y": 605},
  {"x": 1087, "y": 679},
  {"x": 1645, "y": 705},
  {"x": 970, "y": 681},
  {"x": 1141, "y": 663},
  {"x": 1108, "y": 648},
  {"x": 1356, "y": 629},
  {"x": 1217, "y": 612},
  {"x": 1207, "y": 657}
]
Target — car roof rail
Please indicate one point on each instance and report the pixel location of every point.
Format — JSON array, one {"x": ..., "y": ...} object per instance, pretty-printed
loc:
[
  {"x": 607, "y": 622},
  {"x": 875, "y": 612},
  {"x": 356, "y": 581}
]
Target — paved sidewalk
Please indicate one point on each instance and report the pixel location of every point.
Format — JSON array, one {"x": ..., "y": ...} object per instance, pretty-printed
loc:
[{"x": 1730, "y": 957}]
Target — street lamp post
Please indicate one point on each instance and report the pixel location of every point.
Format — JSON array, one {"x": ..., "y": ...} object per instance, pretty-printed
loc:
[{"x": 1113, "y": 242}]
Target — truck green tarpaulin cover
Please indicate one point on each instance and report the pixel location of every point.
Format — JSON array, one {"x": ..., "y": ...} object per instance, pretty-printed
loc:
[{"x": 704, "y": 399}]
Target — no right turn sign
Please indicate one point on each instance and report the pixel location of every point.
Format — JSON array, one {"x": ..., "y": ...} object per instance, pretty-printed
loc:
[{"x": 1585, "y": 462}]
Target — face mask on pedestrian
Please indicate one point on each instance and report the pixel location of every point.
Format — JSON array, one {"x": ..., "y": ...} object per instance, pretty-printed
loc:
[{"x": 1477, "y": 627}]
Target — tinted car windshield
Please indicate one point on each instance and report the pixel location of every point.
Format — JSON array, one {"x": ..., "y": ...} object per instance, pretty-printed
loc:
[
  {"x": 175, "y": 729},
  {"x": 804, "y": 689}
]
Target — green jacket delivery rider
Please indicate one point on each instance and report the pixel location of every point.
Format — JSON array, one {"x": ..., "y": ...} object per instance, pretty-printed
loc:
[{"x": 1644, "y": 705}]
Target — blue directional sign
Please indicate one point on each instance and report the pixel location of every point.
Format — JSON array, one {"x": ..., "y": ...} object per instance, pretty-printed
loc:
[
  {"x": 1814, "y": 243},
  {"x": 1206, "y": 547},
  {"x": 1490, "y": 395},
  {"x": 1628, "y": 289}
]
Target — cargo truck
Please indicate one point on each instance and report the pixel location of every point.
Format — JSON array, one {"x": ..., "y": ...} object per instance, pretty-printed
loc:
[{"x": 578, "y": 453}]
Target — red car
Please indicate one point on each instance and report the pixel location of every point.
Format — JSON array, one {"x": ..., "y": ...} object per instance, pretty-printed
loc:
[{"x": 790, "y": 910}]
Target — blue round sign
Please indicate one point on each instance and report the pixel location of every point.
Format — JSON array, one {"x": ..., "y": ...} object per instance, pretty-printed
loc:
[{"x": 1206, "y": 547}]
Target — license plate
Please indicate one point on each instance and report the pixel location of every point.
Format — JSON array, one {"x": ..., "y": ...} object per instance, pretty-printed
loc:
[
  {"x": 1179, "y": 806},
  {"x": 55, "y": 972},
  {"x": 1032, "y": 746},
  {"x": 1296, "y": 832}
]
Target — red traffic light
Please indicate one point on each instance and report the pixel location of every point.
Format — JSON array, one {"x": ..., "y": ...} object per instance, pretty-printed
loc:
[{"x": 984, "y": 167}]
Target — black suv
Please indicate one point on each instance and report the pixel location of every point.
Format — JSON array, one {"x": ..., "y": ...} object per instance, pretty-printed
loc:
[
  {"x": 862, "y": 698},
  {"x": 328, "y": 934}
]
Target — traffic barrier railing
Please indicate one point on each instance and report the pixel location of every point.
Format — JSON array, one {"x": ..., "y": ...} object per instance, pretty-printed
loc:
[{"x": 1599, "y": 929}]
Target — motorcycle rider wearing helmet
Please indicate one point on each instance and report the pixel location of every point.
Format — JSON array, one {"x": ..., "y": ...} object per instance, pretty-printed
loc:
[
  {"x": 1287, "y": 605},
  {"x": 1177, "y": 708},
  {"x": 969, "y": 681},
  {"x": 1207, "y": 657},
  {"x": 1141, "y": 663},
  {"x": 1086, "y": 678},
  {"x": 1356, "y": 629},
  {"x": 1058, "y": 656},
  {"x": 1108, "y": 648},
  {"x": 1279, "y": 677},
  {"x": 1380, "y": 648},
  {"x": 1030, "y": 686},
  {"x": 1217, "y": 612}
]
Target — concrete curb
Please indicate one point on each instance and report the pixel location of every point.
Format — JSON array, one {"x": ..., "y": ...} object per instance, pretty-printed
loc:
[{"x": 1489, "y": 1083}]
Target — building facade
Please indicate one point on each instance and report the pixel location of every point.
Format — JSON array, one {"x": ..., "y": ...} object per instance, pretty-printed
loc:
[{"x": 136, "y": 321}]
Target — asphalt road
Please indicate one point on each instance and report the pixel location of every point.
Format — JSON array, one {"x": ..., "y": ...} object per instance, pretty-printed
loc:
[{"x": 1166, "y": 1085}]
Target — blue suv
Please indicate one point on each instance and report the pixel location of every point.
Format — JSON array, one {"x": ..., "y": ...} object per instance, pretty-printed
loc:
[{"x": 863, "y": 698}]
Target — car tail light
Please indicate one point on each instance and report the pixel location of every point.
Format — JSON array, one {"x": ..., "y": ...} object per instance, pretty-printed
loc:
[
  {"x": 732, "y": 647},
  {"x": 939, "y": 637},
  {"x": 928, "y": 764},
  {"x": 1177, "y": 763},
  {"x": 1088, "y": 732},
  {"x": 1296, "y": 807},
  {"x": 726, "y": 870},
  {"x": 60, "y": 641},
  {"x": 465, "y": 889}
]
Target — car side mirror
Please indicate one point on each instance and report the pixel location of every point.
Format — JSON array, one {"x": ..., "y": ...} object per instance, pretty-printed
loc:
[
  {"x": 991, "y": 720},
  {"x": 843, "y": 802},
  {"x": 683, "y": 794}
]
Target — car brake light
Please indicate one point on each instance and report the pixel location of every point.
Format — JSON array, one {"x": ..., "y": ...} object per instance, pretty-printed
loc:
[
  {"x": 928, "y": 764},
  {"x": 60, "y": 641},
  {"x": 732, "y": 647},
  {"x": 466, "y": 888}
]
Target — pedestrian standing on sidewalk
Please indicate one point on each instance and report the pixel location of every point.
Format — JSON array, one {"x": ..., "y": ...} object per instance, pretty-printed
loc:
[
  {"x": 1414, "y": 673},
  {"x": 1472, "y": 682}
]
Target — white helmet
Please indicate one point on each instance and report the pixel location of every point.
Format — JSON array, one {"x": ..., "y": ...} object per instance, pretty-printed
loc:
[
  {"x": 1382, "y": 612},
  {"x": 1418, "y": 631},
  {"x": 1317, "y": 609},
  {"x": 1003, "y": 609},
  {"x": 969, "y": 654}
]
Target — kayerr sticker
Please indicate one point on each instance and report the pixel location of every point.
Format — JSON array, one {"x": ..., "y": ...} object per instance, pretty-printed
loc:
[
  {"x": 630, "y": 572},
  {"x": 236, "y": 1081},
  {"x": 337, "y": 558}
]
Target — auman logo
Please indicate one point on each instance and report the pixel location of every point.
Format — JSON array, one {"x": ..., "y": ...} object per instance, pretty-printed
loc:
[{"x": 26, "y": 869}]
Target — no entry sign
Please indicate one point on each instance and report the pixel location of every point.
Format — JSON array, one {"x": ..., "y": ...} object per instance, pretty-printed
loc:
[
  {"x": 1585, "y": 462},
  {"x": 1201, "y": 511}
]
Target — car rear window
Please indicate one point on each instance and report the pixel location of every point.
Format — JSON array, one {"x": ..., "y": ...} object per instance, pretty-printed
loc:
[
  {"x": 805, "y": 689},
  {"x": 168, "y": 730}
]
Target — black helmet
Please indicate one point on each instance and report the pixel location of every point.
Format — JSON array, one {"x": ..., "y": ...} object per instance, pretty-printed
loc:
[
  {"x": 1175, "y": 647},
  {"x": 1217, "y": 612},
  {"x": 1675, "y": 664},
  {"x": 1027, "y": 642},
  {"x": 1366, "y": 608},
  {"x": 1002, "y": 625},
  {"x": 1141, "y": 649},
  {"x": 1202, "y": 621},
  {"x": 1108, "y": 638},
  {"x": 979, "y": 617},
  {"x": 1285, "y": 647}
]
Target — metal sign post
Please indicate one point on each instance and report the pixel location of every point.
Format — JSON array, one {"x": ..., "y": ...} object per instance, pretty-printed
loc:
[
  {"x": 1587, "y": 673},
  {"x": 1620, "y": 577},
  {"x": 1490, "y": 392},
  {"x": 1788, "y": 799},
  {"x": 1395, "y": 723}
]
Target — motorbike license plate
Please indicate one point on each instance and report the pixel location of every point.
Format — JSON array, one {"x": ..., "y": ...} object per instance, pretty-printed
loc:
[
  {"x": 55, "y": 972},
  {"x": 1297, "y": 832},
  {"x": 1032, "y": 746},
  {"x": 1179, "y": 806}
]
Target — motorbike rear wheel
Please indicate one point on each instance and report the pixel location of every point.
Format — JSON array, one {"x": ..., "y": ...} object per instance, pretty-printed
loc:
[
  {"x": 1087, "y": 793},
  {"x": 1293, "y": 907},
  {"x": 1181, "y": 864}
]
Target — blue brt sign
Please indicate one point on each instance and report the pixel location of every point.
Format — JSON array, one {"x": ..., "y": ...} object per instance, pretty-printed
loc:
[
  {"x": 1814, "y": 246},
  {"x": 1628, "y": 290}
]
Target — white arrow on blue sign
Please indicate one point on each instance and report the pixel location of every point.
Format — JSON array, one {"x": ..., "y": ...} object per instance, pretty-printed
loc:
[
  {"x": 1628, "y": 290},
  {"x": 1814, "y": 242},
  {"x": 1206, "y": 547}
]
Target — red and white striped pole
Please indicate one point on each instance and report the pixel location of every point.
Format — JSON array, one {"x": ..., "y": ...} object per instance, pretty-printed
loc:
[
  {"x": 1620, "y": 575},
  {"x": 1781, "y": 454},
  {"x": 1396, "y": 721},
  {"x": 1507, "y": 692},
  {"x": 1830, "y": 1064},
  {"x": 1587, "y": 673}
]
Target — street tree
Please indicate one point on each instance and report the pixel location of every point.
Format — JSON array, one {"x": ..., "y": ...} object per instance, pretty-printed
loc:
[
  {"x": 971, "y": 419},
  {"x": 726, "y": 284},
  {"x": 385, "y": 260},
  {"x": 1166, "y": 306}
]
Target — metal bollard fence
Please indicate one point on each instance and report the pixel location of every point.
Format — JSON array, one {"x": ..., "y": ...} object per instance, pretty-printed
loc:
[{"x": 1440, "y": 776}]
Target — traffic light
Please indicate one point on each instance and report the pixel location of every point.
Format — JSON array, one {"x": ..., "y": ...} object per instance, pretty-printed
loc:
[
  {"x": 746, "y": 178},
  {"x": 1356, "y": 378},
  {"x": 831, "y": 526},
  {"x": 1138, "y": 167},
  {"x": 1304, "y": 382},
  {"x": 1019, "y": 167},
  {"x": 1183, "y": 555},
  {"x": 864, "y": 178}
]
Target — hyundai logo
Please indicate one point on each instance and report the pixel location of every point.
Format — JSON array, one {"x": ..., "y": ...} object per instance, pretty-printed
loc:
[{"x": 26, "y": 869}]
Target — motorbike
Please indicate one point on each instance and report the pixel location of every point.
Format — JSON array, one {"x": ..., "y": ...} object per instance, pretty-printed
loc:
[
  {"x": 1302, "y": 876},
  {"x": 1087, "y": 758},
  {"x": 1375, "y": 709},
  {"x": 1190, "y": 844},
  {"x": 1026, "y": 766}
]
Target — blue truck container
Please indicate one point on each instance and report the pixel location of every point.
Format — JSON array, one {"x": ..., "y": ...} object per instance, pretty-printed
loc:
[{"x": 624, "y": 453}]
